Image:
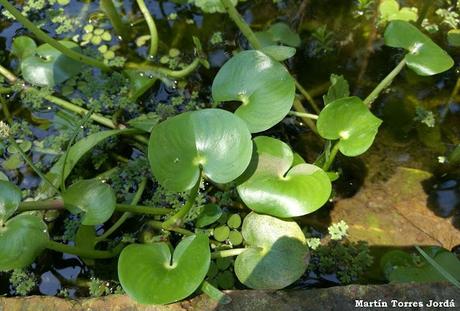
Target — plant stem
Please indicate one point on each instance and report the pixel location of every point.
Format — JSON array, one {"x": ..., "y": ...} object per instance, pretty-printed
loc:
[
  {"x": 152, "y": 28},
  {"x": 215, "y": 294},
  {"x": 331, "y": 158},
  {"x": 159, "y": 225},
  {"x": 307, "y": 96},
  {"x": 176, "y": 219},
  {"x": 228, "y": 253},
  {"x": 300, "y": 109},
  {"x": 45, "y": 38},
  {"x": 41, "y": 205},
  {"x": 31, "y": 164},
  {"x": 145, "y": 210},
  {"x": 155, "y": 71},
  {"x": 85, "y": 253},
  {"x": 384, "y": 83},
  {"x": 304, "y": 115},
  {"x": 6, "y": 111},
  {"x": 8, "y": 75},
  {"x": 115, "y": 19},
  {"x": 242, "y": 25},
  {"x": 126, "y": 215}
]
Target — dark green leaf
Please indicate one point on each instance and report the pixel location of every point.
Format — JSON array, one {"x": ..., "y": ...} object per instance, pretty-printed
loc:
[
  {"x": 339, "y": 88},
  {"x": 265, "y": 88},
  {"x": 92, "y": 198},
  {"x": 277, "y": 254},
  {"x": 209, "y": 214},
  {"x": 214, "y": 140},
  {"x": 10, "y": 197},
  {"x": 22, "y": 239},
  {"x": 151, "y": 275},
  {"x": 279, "y": 33},
  {"x": 145, "y": 122},
  {"x": 48, "y": 66},
  {"x": 349, "y": 120},
  {"x": 277, "y": 188},
  {"x": 424, "y": 56}
]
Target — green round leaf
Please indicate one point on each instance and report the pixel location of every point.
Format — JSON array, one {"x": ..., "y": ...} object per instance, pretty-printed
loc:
[
  {"x": 210, "y": 213},
  {"x": 279, "y": 189},
  {"x": 234, "y": 221},
  {"x": 235, "y": 238},
  {"x": 48, "y": 66},
  {"x": 149, "y": 275},
  {"x": 278, "y": 33},
  {"x": 349, "y": 120},
  {"x": 23, "y": 46},
  {"x": 211, "y": 6},
  {"x": 10, "y": 197},
  {"x": 95, "y": 199},
  {"x": 213, "y": 139},
  {"x": 221, "y": 233},
  {"x": 425, "y": 57},
  {"x": 22, "y": 239},
  {"x": 278, "y": 52},
  {"x": 277, "y": 253},
  {"x": 264, "y": 86}
]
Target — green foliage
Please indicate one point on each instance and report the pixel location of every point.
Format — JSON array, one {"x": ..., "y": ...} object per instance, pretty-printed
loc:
[
  {"x": 348, "y": 260},
  {"x": 424, "y": 56},
  {"x": 22, "y": 281},
  {"x": 390, "y": 10},
  {"x": 213, "y": 141},
  {"x": 339, "y": 89},
  {"x": 265, "y": 88},
  {"x": 22, "y": 239},
  {"x": 278, "y": 33},
  {"x": 350, "y": 121},
  {"x": 152, "y": 275},
  {"x": 277, "y": 188},
  {"x": 93, "y": 199},
  {"x": 277, "y": 254},
  {"x": 211, "y": 6},
  {"x": 10, "y": 197}
]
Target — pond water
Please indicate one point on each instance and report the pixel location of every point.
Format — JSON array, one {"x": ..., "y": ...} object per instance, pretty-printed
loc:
[{"x": 337, "y": 37}]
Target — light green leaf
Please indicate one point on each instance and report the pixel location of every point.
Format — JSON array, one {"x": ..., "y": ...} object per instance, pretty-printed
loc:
[
  {"x": 48, "y": 66},
  {"x": 278, "y": 52},
  {"x": 389, "y": 10},
  {"x": 22, "y": 239},
  {"x": 214, "y": 140},
  {"x": 453, "y": 37},
  {"x": 150, "y": 274},
  {"x": 265, "y": 88},
  {"x": 277, "y": 253},
  {"x": 23, "y": 47},
  {"x": 339, "y": 88},
  {"x": 145, "y": 122},
  {"x": 424, "y": 56},
  {"x": 211, "y": 6},
  {"x": 92, "y": 198},
  {"x": 277, "y": 188},
  {"x": 349, "y": 120},
  {"x": 279, "y": 33},
  {"x": 10, "y": 198}
]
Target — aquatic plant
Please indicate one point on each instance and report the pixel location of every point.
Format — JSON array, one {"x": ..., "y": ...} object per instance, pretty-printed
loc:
[{"x": 211, "y": 145}]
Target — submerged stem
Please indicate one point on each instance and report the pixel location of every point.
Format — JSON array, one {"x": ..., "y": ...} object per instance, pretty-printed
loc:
[
  {"x": 86, "y": 253},
  {"x": 331, "y": 158},
  {"x": 176, "y": 219},
  {"x": 112, "y": 14},
  {"x": 54, "y": 43},
  {"x": 152, "y": 28},
  {"x": 300, "y": 109},
  {"x": 304, "y": 115},
  {"x": 384, "y": 83},
  {"x": 242, "y": 25},
  {"x": 159, "y": 225},
  {"x": 307, "y": 96}
]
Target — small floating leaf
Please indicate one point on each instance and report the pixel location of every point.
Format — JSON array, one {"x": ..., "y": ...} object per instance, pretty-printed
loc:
[
  {"x": 212, "y": 140},
  {"x": 349, "y": 120},
  {"x": 277, "y": 188},
  {"x": 10, "y": 197},
  {"x": 265, "y": 88},
  {"x": 48, "y": 66},
  {"x": 279, "y": 53},
  {"x": 279, "y": 33},
  {"x": 150, "y": 274},
  {"x": 23, "y": 46},
  {"x": 22, "y": 239},
  {"x": 277, "y": 253},
  {"x": 209, "y": 214},
  {"x": 93, "y": 198},
  {"x": 211, "y": 6},
  {"x": 389, "y": 10},
  {"x": 339, "y": 88},
  {"x": 425, "y": 57}
]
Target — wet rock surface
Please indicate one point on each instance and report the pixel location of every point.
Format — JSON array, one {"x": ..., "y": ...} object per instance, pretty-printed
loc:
[{"x": 341, "y": 298}]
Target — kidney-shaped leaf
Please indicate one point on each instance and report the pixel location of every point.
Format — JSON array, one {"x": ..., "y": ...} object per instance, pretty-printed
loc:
[
  {"x": 349, "y": 120},
  {"x": 23, "y": 46},
  {"x": 10, "y": 197},
  {"x": 278, "y": 188},
  {"x": 150, "y": 274},
  {"x": 92, "y": 198},
  {"x": 425, "y": 57},
  {"x": 278, "y": 33},
  {"x": 263, "y": 85},
  {"x": 48, "y": 66},
  {"x": 22, "y": 239},
  {"x": 215, "y": 140},
  {"x": 277, "y": 254}
]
